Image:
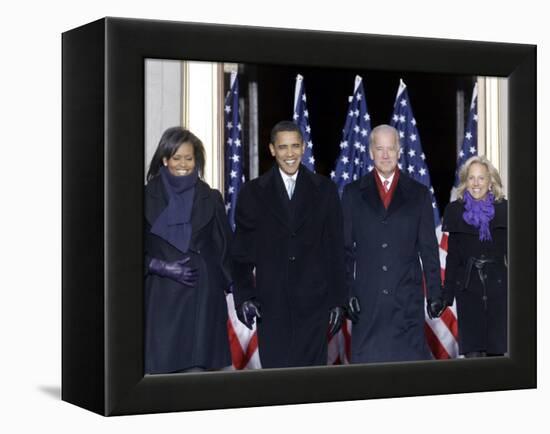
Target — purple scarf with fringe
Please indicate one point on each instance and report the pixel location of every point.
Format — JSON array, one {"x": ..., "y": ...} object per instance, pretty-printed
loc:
[{"x": 479, "y": 213}]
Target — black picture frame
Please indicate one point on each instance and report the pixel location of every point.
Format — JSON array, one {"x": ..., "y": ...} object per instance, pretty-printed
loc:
[{"x": 102, "y": 193}]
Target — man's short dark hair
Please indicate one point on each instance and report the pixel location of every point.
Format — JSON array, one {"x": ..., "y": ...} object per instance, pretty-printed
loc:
[{"x": 284, "y": 126}]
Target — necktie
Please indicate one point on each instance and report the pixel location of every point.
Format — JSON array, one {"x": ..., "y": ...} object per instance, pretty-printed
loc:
[
  {"x": 386, "y": 184},
  {"x": 290, "y": 183}
]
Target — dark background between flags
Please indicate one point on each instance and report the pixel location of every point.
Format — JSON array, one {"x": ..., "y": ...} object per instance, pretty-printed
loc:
[{"x": 433, "y": 99}]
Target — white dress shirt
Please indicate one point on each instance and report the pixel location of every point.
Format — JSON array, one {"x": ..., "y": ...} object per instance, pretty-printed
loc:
[
  {"x": 290, "y": 182},
  {"x": 390, "y": 179}
]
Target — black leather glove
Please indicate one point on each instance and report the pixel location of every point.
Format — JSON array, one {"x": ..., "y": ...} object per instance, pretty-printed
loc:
[
  {"x": 435, "y": 307},
  {"x": 353, "y": 309},
  {"x": 247, "y": 311},
  {"x": 335, "y": 320},
  {"x": 177, "y": 270}
]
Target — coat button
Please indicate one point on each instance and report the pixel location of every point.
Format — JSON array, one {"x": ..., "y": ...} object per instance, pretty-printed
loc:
[
  {"x": 292, "y": 258},
  {"x": 384, "y": 268},
  {"x": 384, "y": 245},
  {"x": 385, "y": 292}
]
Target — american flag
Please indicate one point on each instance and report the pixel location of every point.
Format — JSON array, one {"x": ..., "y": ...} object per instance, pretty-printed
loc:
[
  {"x": 469, "y": 143},
  {"x": 354, "y": 160},
  {"x": 243, "y": 342},
  {"x": 301, "y": 118},
  {"x": 441, "y": 333},
  {"x": 234, "y": 176}
]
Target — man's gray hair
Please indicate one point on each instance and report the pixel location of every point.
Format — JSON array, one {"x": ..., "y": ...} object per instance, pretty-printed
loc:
[{"x": 384, "y": 128}]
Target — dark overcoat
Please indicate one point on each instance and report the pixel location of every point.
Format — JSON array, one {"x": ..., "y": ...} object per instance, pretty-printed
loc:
[
  {"x": 296, "y": 247},
  {"x": 187, "y": 327},
  {"x": 482, "y": 326},
  {"x": 383, "y": 253}
]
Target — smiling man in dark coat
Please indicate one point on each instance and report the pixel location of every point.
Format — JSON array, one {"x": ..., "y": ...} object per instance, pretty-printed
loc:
[
  {"x": 289, "y": 229},
  {"x": 389, "y": 240}
]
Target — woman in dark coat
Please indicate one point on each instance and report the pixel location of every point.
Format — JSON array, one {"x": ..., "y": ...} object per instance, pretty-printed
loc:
[
  {"x": 186, "y": 248},
  {"x": 476, "y": 271}
]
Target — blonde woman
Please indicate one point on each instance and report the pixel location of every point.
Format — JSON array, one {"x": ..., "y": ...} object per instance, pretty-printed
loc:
[{"x": 476, "y": 271}]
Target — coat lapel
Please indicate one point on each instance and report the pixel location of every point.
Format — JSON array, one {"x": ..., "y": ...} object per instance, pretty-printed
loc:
[
  {"x": 273, "y": 195},
  {"x": 370, "y": 195},
  {"x": 303, "y": 198},
  {"x": 203, "y": 209},
  {"x": 501, "y": 216},
  {"x": 399, "y": 195}
]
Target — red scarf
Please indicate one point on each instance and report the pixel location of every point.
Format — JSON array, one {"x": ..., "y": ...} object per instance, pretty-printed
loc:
[{"x": 386, "y": 196}]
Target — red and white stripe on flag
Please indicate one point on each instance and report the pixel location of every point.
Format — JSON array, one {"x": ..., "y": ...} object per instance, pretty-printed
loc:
[
  {"x": 339, "y": 346},
  {"x": 442, "y": 333},
  {"x": 243, "y": 342}
]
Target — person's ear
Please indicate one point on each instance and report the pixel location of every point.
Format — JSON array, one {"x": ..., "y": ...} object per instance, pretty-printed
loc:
[
  {"x": 165, "y": 161},
  {"x": 272, "y": 149}
]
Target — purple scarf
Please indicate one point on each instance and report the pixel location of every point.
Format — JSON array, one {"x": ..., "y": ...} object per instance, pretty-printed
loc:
[
  {"x": 174, "y": 222},
  {"x": 479, "y": 213}
]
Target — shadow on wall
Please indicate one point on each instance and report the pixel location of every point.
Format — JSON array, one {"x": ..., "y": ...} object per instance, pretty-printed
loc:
[{"x": 52, "y": 391}]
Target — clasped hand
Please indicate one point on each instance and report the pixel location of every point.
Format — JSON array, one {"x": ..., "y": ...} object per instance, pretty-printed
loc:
[
  {"x": 248, "y": 311},
  {"x": 178, "y": 270}
]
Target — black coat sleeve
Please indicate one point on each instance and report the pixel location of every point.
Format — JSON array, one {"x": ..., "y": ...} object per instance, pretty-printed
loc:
[
  {"x": 334, "y": 243},
  {"x": 243, "y": 251},
  {"x": 429, "y": 248},
  {"x": 452, "y": 266},
  {"x": 349, "y": 240},
  {"x": 222, "y": 236}
]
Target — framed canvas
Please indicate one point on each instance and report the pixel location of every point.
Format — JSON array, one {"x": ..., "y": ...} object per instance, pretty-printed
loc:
[{"x": 103, "y": 207}]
